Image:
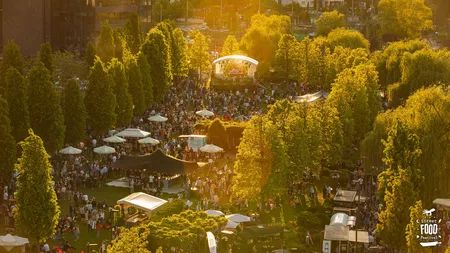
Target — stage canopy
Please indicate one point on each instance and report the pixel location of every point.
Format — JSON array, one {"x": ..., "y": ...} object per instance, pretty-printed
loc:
[
  {"x": 234, "y": 69},
  {"x": 156, "y": 162},
  {"x": 142, "y": 201}
]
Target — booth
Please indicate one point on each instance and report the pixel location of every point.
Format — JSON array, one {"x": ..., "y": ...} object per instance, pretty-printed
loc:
[
  {"x": 145, "y": 205},
  {"x": 344, "y": 198},
  {"x": 233, "y": 70}
]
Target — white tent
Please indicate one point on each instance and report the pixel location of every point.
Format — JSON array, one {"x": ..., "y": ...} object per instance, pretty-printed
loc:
[
  {"x": 142, "y": 201},
  {"x": 157, "y": 118},
  {"x": 231, "y": 224},
  {"x": 70, "y": 151},
  {"x": 149, "y": 140},
  {"x": 104, "y": 150},
  {"x": 238, "y": 218},
  {"x": 133, "y": 132},
  {"x": 214, "y": 213},
  {"x": 114, "y": 139},
  {"x": 209, "y": 148},
  {"x": 205, "y": 113},
  {"x": 10, "y": 241}
]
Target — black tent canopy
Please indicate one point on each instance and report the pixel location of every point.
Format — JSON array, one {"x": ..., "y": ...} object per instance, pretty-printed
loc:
[{"x": 156, "y": 162}]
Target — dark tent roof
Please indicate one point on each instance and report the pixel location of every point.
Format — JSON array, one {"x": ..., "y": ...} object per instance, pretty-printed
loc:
[{"x": 156, "y": 162}]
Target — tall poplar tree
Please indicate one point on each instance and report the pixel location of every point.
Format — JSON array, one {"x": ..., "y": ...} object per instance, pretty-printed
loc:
[
  {"x": 230, "y": 46},
  {"x": 46, "y": 116},
  {"x": 147, "y": 82},
  {"x": 7, "y": 145},
  {"x": 124, "y": 106},
  {"x": 155, "y": 48},
  {"x": 100, "y": 100},
  {"x": 198, "y": 54},
  {"x": 47, "y": 58},
  {"x": 105, "y": 45},
  {"x": 37, "y": 210},
  {"x": 136, "y": 89},
  {"x": 12, "y": 57},
  {"x": 18, "y": 106},
  {"x": 180, "y": 65},
  {"x": 74, "y": 113},
  {"x": 89, "y": 56}
]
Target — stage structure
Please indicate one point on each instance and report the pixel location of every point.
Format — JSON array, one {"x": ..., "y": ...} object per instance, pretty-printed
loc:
[{"x": 233, "y": 70}]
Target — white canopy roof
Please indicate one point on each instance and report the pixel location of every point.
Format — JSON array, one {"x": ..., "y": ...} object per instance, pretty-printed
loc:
[
  {"x": 70, "y": 151},
  {"x": 10, "y": 241},
  {"x": 104, "y": 150},
  {"x": 114, "y": 139},
  {"x": 133, "y": 132},
  {"x": 209, "y": 148},
  {"x": 149, "y": 140},
  {"x": 236, "y": 57},
  {"x": 142, "y": 201},
  {"x": 238, "y": 218},
  {"x": 157, "y": 118},
  {"x": 205, "y": 113},
  {"x": 214, "y": 213}
]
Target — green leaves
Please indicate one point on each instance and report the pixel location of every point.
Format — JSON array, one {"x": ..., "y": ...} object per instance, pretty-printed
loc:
[
  {"x": 16, "y": 95},
  {"x": 136, "y": 89},
  {"x": 90, "y": 54},
  {"x": 100, "y": 100},
  {"x": 12, "y": 57},
  {"x": 47, "y": 58},
  {"x": 287, "y": 57},
  {"x": 74, "y": 113},
  {"x": 180, "y": 63},
  {"x": 37, "y": 210},
  {"x": 130, "y": 241},
  {"x": 230, "y": 46},
  {"x": 124, "y": 106},
  {"x": 46, "y": 117},
  {"x": 105, "y": 45},
  {"x": 329, "y": 21},
  {"x": 7, "y": 144},
  {"x": 199, "y": 57}
]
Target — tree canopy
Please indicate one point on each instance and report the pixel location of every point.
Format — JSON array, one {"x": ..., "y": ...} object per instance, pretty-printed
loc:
[
  {"x": 329, "y": 21},
  {"x": 17, "y": 98},
  {"x": 287, "y": 57},
  {"x": 105, "y": 44},
  {"x": 347, "y": 39},
  {"x": 230, "y": 46},
  {"x": 180, "y": 63},
  {"x": 130, "y": 241},
  {"x": 12, "y": 57},
  {"x": 124, "y": 102},
  {"x": 37, "y": 210},
  {"x": 90, "y": 54},
  {"x": 199, "y": 57},
  {"x": 7, "y": 145},
  {"x": 74, "y": 113},
  {"x": 136, "y": 87},
  {"x": 47, "y": 58}
]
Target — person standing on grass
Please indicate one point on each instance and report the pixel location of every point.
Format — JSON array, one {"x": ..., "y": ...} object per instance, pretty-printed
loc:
[
  {"x": 98, "y": 227},
  {"x": 76, "y": 232}
]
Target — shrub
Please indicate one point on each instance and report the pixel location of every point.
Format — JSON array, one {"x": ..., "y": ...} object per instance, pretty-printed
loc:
[{"x": 309, "y": 220}]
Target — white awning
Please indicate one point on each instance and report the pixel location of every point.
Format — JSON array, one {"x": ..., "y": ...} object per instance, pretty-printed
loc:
[
  {"x": 142, "y": 201},
  {"x": 442, "y": 203},
  {"x": 133, "y": 133}
]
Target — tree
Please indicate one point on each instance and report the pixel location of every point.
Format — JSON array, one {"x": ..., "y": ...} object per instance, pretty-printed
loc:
[
  {"x": 131, "y": 240},
  {"x": 413, "y": 229},
  {"x": 68, "y": 66},
  {"x": 198, "y": 54},
  {"x": 12, "y": 57},
  {"x": 46, "y": 116},
  {"x": 401, "y": 19},
  {"x": 135, "y": 86},
  {"x": 7, "y": 145},
  {"x": 100, "y": 100},
  {"x": 311, "y": 67},
  {"x": 74, "y": 113},
  {"x": 167, "y": 30},
  {"x": 16, "y": 96},
  {"x": 347, "y": 39},
  {"x": 47, "y": 58},
  {"x": 132, "y": 32},
  {"x": 230, "y": 46},
  {"x": 182, "y": 231},
  {"x": 105, "y": 45},
  {"x": 124, "y": 102},
  {"x": 261, "y": 39},
  {"x": 287, "y": 57},
  {"x": 217, "y": 133},
  {"x": 37, "y": 211},
  {"x": 262, "y": 154},
  {"x": 329, "y": 21},
  {"x": 180, "y": 65},
  {"x": 146, "y": 79},
  {"x": 90, "y": 54},
  {"x": 155, "y": 49}
]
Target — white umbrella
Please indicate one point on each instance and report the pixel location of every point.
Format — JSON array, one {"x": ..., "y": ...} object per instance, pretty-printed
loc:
[
  {"x": 9, "y": 241},
  {"x": 238, "y": 218},
  {"x": 209, "y": 148},
  {"x": 157, "y": 118},
  {"x": 149, "y": 140},
  {"x": 205, "y": 113},
  {"x": 231, "y": 224},
  {"x": 104, "y": 150},
  {"x": 70, "y": 151},
  {"x": 214, "y": 213},
  {"x": 133, "y": 132},
  {"x": 114, "y": 139}
]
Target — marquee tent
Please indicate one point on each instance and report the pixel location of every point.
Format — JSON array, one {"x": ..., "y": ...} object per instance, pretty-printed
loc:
[
  {"x": 156, "y": 162},
  {"x": 133, "y": 133},
  {"x": 142, "y": 201}
]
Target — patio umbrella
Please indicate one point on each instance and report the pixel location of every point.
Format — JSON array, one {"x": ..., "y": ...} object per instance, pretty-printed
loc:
[
  {"x": 149, "y": 140},
  {"x": 10, "y": 241},
  {"x": 205, "y": 113},
  {"x": 238, "y": 218},
  {"x": 134, "y": 133},
  {"x": 114, "y": 139},
  {"x": 231, "y": 224},
  {"x": 209, "y": 148},
  {"x": 214, "y": 213},
  {"x": 70, "y": 151},
  {"x": 157, "y": 118},
  {"x": 104, "y": 150}
]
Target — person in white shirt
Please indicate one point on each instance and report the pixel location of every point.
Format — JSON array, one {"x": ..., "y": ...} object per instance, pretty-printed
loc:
[
  {"x": 94, "y": 143},
  {"x": 46, "y": 248},
  {"x": 150, "y": 180}
]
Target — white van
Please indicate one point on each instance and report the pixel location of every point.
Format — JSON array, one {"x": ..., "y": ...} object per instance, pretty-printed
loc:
[{"x": 195, "y": 141}]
